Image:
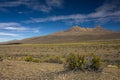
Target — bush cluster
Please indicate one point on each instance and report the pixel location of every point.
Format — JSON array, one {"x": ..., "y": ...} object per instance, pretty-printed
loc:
[
  {"x": 31, "y": 59},
  {"x": 83, "y": 62},
  {"x": 55, "y": 59},
  {"x": 49, "y": 59},
  {"x": 28, "y": 58}
]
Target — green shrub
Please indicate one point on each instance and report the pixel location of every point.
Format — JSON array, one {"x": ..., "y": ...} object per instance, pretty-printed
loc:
[
  {"x": 55, "y": 59},
  {"x": 83, "y": 62},
  {"x": 36, "y": 60},
  {"x": 28, "y": 58},
  {"x": 95, "y": 62}
]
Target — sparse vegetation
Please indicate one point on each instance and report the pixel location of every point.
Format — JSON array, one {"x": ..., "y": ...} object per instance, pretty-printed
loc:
[
  {"x": 55, "y": 59},
  {"x": 28, "y": 58},
  {"x": 96, "y": 62},
  {"x": 36, "y": 60},
  {"x": 46, "y": 61},
  {"x": 45, "y": 58},
  {"x": 83, "y": 62}
]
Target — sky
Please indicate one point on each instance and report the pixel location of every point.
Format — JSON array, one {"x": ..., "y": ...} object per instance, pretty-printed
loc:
[{"x": 21, "y": 19}]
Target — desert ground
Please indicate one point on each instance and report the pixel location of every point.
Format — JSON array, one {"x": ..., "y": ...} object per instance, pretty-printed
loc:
[{"x": 48, "y": 61}]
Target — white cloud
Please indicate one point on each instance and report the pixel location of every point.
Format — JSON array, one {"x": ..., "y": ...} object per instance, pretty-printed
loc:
[
  {"x": 8, "y": 34},
  {"x": 15, "y": 28},
  {"x": 33, "y": 4},
  {"x": 58, "y": 18},
  {"x": 54, "y": 3},
  {"x": 36, "y": 31},
  {"x": 12, "y": 30},
  {"x": 109, "y": 11},
  {"x": 12, "y": 26}
]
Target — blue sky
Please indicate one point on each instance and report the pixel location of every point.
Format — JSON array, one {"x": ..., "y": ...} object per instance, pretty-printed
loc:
[{"x": 26, "y": 18}]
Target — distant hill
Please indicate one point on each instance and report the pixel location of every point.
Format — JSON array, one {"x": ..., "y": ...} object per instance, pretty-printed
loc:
[
  {"x": 74, "y": 34},
  {"x": 80, "y": 29}
]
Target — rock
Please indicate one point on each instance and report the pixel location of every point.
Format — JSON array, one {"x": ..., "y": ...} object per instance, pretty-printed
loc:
[
  {"x": 1, "y": 59},
  {"x": 112, "y": 66}
]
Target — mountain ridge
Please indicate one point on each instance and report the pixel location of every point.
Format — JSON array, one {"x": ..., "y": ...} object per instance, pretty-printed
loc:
[
  {"x": 74, "y": 34},
  {"x": 82, "y": 29}
]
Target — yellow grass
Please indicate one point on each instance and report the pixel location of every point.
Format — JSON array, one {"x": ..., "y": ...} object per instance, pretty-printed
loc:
[{"x": 14, "y": 67}]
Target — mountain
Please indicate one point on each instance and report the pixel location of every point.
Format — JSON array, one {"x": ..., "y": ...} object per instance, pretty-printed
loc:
[
  {"x": 77, "y": 30},
  {"x": 80, "y": 29},
  {"x": 74, "y": 34}
]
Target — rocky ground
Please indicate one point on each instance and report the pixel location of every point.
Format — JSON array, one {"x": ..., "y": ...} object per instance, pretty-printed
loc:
[{"x": 21, "y": 70}]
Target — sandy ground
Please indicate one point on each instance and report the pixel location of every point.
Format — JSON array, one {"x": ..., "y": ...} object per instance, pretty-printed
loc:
[{"x": 21, "y": 70}]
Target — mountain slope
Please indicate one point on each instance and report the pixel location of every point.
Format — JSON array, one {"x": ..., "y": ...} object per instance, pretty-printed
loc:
[
  {"x": 80, "y": 29},
  {"x": 74, "y": 34}
]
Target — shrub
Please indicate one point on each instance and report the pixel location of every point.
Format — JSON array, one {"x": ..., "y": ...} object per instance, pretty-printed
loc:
[
  {"x": 55, "y": 59},
  {"x": 1, "y": 59},
  {"x": 83, "y": 62},
  {"x": 95, "y": 62},
  {"x": 28, "y": 58},
  {"x": 36, "y": 60}
]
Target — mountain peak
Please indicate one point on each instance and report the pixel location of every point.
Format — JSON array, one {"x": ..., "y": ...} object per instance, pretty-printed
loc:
[
  {"x": 100, "y": 29},
  {"x": 77, "y": 29},
  {"x": 80, "y": 29},
  {"x": 74, "y": 28}
]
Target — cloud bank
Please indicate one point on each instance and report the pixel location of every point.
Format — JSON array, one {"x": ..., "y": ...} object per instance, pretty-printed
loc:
[
  {"x": 12, "y": 26},
  {"x": 8, "y": 34},
  {"x": 109, "y": 11},
  {"x": 32, "y": 4}
]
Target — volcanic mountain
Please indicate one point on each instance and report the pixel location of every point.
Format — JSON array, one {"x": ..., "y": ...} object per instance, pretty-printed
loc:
[
  {"x": 74, "y": 34},
  {"x": 80, "y": 29}
]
